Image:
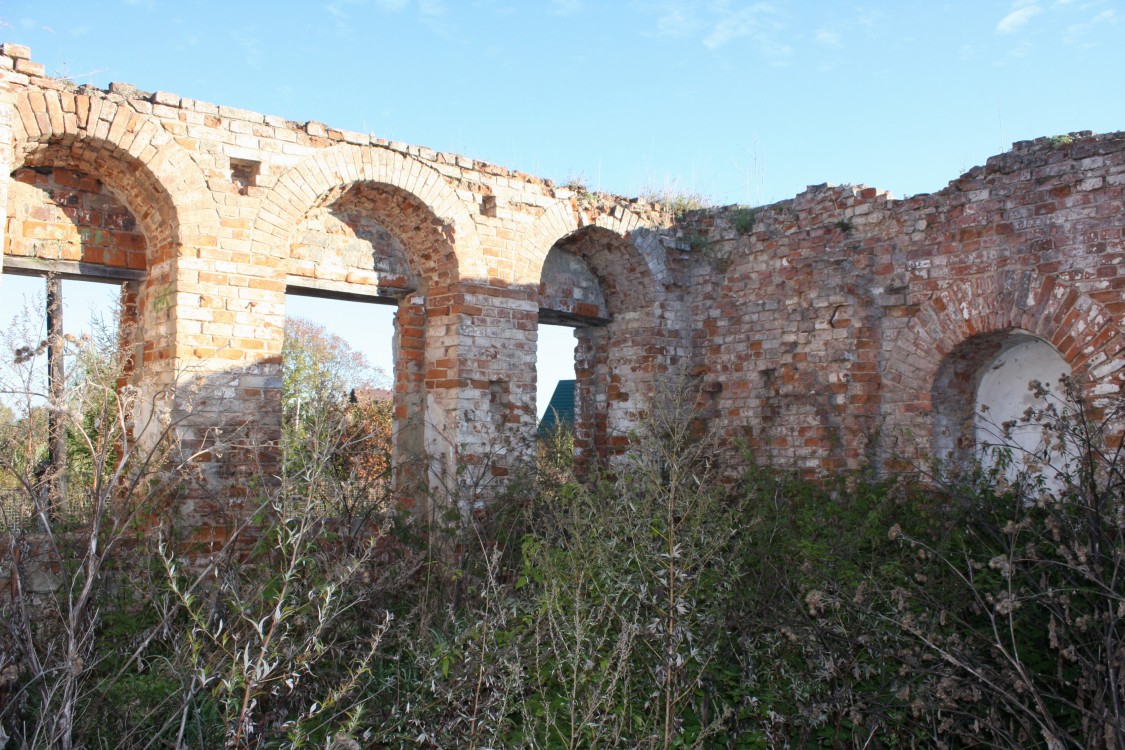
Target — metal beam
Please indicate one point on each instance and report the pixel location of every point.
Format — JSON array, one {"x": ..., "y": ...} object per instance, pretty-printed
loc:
[
  {"x": 342, "y": 290},
  {"x": 563, "y": 318},
  {"x": 70, "y": 270}
]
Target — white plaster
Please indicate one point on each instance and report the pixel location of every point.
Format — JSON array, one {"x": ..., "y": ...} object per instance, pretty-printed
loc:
[{"x": 1003, "y": 395}]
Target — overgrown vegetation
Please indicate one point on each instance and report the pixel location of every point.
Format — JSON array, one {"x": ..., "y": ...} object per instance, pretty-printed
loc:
[
  {"x": 743, "y": 219},
  {"x": 581, "y": 188},
  {"x": 693, "y": 598},
  {"x": 336, "y": 421},
  {"x": 678, "y": 200}
]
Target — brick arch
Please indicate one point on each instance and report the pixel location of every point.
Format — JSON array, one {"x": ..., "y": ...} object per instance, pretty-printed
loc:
[
  {"x": 644, "y": 238},
  {"x": 981, "y": 310},
  {"x": 136, "y": 158},
  {"x": 627, "y": 234},
  {"x": 557, "y": 221},
  {"x": 327, "y": 172},
  {"x": 384, "y": 222},
  {"x": 616, "y": 364},
  {"x": 618, "y": 264}
]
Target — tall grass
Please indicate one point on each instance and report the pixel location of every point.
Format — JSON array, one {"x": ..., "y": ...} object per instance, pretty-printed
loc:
[{"x": 663, "y": 605}]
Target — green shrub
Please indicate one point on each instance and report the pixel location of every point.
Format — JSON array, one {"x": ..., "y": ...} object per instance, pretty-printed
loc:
[
  {"x": 687, "y": 597},
  {"x": 743, "y": 219}
]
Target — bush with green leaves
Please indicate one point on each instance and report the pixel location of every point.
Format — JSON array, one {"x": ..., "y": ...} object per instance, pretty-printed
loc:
[
  {"x": 1034, "y": 656},
  {"x": 73, "y": 555},
  {"x": 684, "y": 597}
]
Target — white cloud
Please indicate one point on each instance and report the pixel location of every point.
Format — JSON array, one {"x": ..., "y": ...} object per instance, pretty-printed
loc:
[
  {"x": 828, "y": 38},
  {"x": 674, "y": 18},
  {"x": 1015, "y": 55},
  {"x": 185, "y": 43},
  {"x": 251, "y": 53},
  {"x": 431, "y": 8},
  {"x": 717, "y": 23},
  {"x": 338, "y": 17},
  {"x": 1022, "y": 12},
  {"x": 758, "y": 23},
  {"x": 433, "y": 14},
  {"x": 731, "y": 25},
  {"x": 565, "y": 7},
  {"x": 868, "y": 18},
  {"x": 1078, "y": 34},
  {"x": 31, "y": 23}
]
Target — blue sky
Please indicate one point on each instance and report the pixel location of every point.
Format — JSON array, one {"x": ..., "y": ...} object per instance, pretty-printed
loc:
[{"x": 746, "y": 102}]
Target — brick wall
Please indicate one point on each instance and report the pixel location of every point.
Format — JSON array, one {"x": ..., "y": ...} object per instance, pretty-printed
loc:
[
  {"x": 816, "y": 328},
  {"x": 233, "y": 208},
  {"x": 830, "y": 325}
]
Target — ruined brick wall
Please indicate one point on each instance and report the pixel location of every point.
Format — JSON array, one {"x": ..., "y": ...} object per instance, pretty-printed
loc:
[
  {"x": 817, "y": 328},
  {"x": 845, "y": 328},
  {"x": 231, "y": 209}
]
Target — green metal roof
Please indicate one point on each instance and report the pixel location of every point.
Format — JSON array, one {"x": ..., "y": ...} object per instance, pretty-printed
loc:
[{"x": 560, "y": 408}]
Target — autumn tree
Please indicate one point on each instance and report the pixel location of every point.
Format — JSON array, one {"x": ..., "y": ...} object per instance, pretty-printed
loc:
[{"x": 337, "y": 422}]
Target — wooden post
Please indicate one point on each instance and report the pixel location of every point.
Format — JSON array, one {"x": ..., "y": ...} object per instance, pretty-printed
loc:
[{"x": 56, "y": 386}]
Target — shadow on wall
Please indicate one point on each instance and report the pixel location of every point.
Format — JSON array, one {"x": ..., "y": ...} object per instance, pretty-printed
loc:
[{"x": 984, "y": 393}]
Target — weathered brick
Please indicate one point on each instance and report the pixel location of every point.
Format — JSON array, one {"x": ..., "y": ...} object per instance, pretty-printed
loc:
[
  {"x": 817, "y": 329},
  {"x": 15, "y": 51}
]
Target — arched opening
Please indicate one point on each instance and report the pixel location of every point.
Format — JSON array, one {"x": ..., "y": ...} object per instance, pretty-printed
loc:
[
  {"x": 70, "y": 224},
  {"x": 986, "y": 396},
  {"x": 571, "y": 296},
  {"x": 358, "y": 250},
  {"x": 83, "y": 258},
  {"x": 81, "y": 205}
]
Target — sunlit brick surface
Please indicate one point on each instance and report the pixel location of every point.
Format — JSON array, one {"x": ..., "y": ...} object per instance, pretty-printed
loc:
[{"x": 814, "y": 330}]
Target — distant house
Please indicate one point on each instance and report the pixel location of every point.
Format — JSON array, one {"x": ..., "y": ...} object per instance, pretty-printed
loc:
[
  {"x": 560, "y": 409},
  {"x": 365, "y": 395}
]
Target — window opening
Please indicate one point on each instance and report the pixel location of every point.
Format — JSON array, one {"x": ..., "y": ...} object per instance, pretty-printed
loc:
[
  {"x": 61, "y": 340},
  {"x": 554, "y": 368},
  {"x": 570, "y": 297},
  {"x": 338, "y": 399},
  {"x": 244, "y": 174}
]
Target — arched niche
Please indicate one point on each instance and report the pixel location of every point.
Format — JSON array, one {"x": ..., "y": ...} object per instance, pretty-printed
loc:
[
  {"x": 984, "y": 393},
  {"x": 597, "y": 281},
  {"x": 569, "y": 291},
  {"x": 360, "y": 240},
  {"x": 928, "y": 375}
]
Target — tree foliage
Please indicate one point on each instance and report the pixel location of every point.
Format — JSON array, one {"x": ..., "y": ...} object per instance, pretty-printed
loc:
[
  {"x": 320, "y": 369},
  {"x": 337, "y": 424}
]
